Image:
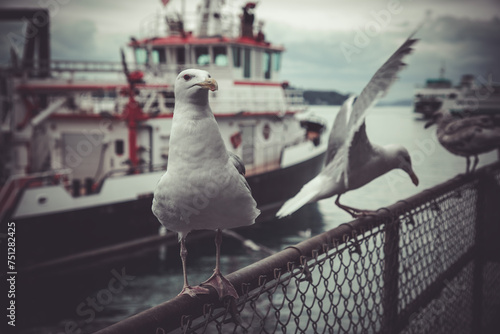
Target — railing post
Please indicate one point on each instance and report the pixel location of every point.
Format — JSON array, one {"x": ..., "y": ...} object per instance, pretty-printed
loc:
[
  {"x": 391, "y": 277},
  {"x": 485, "y": 240}
]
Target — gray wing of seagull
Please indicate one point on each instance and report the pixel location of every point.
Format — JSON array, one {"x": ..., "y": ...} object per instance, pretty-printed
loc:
[
  {"x": 237, "y": 162},
  {"x": 239, "y": 165},
  {"x": 338, "y": 133},
  {"x": 358, "y": 148}
]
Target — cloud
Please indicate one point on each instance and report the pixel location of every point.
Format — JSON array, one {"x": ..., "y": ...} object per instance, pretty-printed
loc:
[
  {"x": 464, "y": 45},
  {"x": 76, "y": 41},
  {"x": 464, "y": 38}
]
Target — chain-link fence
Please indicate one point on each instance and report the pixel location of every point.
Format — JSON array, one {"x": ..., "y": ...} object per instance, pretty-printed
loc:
[{"x": 428, "y": 264}]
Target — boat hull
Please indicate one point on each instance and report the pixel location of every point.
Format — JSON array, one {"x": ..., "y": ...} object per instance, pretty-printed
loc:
[{"x": 58, "y": 235}]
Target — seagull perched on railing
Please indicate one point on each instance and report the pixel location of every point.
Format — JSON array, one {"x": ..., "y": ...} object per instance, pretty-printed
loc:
[
  {"x": 351, "y": 160},
  {"x": 466, "y": 134},
  {"x": 204, "y": 186}
]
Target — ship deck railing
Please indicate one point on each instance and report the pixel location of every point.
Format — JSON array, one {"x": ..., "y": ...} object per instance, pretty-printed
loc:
[
  {"x": 427, "y": 264},
  {"x": 12, "y": 189},
  {"x": 164, "y": 73}
]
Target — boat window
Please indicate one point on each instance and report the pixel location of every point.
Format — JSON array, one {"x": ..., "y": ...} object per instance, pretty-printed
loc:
[
  {"x": 181, "y": 55},
  {"x": 267, "y": 65},
  {"x": 98, "y": 94},
  {"x": 258, "y": 63},
  {"x": 119, "y": 147},
  {"x": 201, "y": 55},
  {"x": 220, "y": 56},
  {"x": 141, "y": 56},
  {"x": 236, "y": 56},
  {"x": 159, "y": 56},
  {"x": 246, "y": 63},
  {"x": 155, "y": 57},
  {"x": 277, "y": 61},
  {"x": 101, "y": 94}
]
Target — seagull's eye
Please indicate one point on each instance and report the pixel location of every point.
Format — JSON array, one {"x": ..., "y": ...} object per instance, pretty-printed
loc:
[{"x": 187, "y": 77}]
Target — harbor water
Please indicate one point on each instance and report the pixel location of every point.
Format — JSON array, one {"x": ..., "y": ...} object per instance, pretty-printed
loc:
[{"x": 93, "y": 299}]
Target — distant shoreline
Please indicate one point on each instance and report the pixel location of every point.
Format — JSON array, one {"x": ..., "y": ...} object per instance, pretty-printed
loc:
[{"x": 333, "y": 98}]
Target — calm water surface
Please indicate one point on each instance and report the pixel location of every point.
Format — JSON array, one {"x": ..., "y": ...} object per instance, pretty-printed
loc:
[{"x": 152, "y": 282}]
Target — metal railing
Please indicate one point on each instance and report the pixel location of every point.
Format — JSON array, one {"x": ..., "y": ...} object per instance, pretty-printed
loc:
[{"x": 427, "y": 264}]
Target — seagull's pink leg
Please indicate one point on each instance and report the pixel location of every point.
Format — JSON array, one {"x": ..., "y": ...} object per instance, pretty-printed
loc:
[
  {"x": 187, "y": 289},
  {"x": 217, "y": 281},
  {"x": 476, "y": 161},
  {"x": 355, "y": 213}
]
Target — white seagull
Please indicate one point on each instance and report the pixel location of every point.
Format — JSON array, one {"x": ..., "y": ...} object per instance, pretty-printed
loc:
[
  {"x": 351, "y": 160},
  {"x": 204, "y": 186},
  {"x": 467, "y": 135}
]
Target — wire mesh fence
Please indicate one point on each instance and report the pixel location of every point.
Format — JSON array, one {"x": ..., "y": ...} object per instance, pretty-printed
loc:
[{"x": 429, "y": 264}]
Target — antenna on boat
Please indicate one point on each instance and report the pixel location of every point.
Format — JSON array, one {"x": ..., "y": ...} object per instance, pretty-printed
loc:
[
  {"x": 183, "y": 10},
  {"x": 124, "y": 64},
  {"x": 442, "y": 70}
]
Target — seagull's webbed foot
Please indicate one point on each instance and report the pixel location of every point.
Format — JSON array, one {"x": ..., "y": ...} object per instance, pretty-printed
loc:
[
  {"x": 363, "y": 213},
  {"x": 221, "y": 285},
  {"x": 193, "y": 291}
]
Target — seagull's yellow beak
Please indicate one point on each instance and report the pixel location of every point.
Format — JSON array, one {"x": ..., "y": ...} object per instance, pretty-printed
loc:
[{"x": 209, "y": 84}]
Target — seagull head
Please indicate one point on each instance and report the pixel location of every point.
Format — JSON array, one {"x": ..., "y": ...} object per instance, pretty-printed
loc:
[
  {"x": 401, "y": 159},
  {"x": 437, "y": 117},
  {"x": 192, "y": 85}
]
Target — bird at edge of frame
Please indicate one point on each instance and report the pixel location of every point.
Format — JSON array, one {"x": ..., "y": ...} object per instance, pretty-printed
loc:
[{"x": 466, "y": 134}]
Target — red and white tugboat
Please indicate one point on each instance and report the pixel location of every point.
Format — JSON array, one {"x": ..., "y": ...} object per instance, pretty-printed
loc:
[{"x": 80, "y": 159}]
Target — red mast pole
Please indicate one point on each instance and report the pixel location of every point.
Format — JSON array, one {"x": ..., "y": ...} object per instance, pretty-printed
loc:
[{"x": 133, "y": 113}]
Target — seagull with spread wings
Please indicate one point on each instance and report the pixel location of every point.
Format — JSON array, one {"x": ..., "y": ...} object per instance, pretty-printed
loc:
[
  {"x": 204, "y": 186},
  {"x": 351, "y": 159}
]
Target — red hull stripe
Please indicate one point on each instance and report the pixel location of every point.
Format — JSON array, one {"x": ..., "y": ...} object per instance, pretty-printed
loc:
[
  {"x": 258, "y": 83},
  {"x": 145, "y": 117},
  {"x": 82, "y": 87},
  {"x": 190, "y": 39}
]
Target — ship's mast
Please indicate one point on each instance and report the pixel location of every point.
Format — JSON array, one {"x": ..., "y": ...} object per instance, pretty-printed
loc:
[
  {"x": 183, "y": 10},
  {"x": 210, "y": 18}
]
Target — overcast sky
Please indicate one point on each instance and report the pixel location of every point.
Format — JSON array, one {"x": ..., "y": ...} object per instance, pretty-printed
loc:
[{"x": 330, "y": 45}]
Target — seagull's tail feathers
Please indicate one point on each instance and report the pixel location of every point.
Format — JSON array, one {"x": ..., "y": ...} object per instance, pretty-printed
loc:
[{"x": 309, "y": 193}]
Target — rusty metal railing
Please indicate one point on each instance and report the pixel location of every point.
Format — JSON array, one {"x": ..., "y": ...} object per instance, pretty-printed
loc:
[{"x": 427, "y": 264}]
